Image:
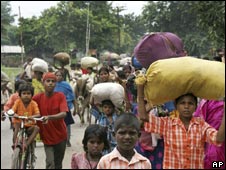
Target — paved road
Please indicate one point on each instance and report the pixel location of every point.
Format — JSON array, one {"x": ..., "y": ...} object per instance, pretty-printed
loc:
[{"x": 76, "y": 142}]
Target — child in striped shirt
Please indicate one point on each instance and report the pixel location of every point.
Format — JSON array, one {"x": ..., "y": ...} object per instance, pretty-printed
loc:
[{"x": 124, "y": 156}]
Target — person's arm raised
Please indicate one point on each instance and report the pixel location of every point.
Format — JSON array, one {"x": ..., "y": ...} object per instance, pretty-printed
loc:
[{"x": 141, "y": 103}]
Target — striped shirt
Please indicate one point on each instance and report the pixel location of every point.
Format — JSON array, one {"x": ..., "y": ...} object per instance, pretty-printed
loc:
[
  {"x": 183, "y": 149},
  {"x": 80, "y": 161},
  {"x": 115, "y": 160}
]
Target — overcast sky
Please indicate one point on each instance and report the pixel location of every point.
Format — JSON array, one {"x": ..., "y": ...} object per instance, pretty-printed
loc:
[{"x": 34, "y": 8}]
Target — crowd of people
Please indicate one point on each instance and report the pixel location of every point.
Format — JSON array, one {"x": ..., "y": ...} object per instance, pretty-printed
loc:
[{"x": 186, "y": 133}]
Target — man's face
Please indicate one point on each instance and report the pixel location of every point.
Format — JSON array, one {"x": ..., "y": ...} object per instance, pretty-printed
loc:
[{"x": 49, "y": 84}]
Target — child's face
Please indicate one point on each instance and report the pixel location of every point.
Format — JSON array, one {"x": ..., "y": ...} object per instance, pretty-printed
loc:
[
  {"x": 186, "y": 106},
  {"x": 127, "y": 72},
  {"x": 126, "y": 138},
  {"x": 104, "y": 76},
  {"x": 108, "y": 109},
  {"x": 95, "y": 146},
  {"x": 26, "y": 96},
  {"x": 89, "y": 70},
  {"x": 38, "y": 75}
]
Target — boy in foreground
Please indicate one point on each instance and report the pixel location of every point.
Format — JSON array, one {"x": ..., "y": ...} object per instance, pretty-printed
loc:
[{"x": 124, "y": 156}]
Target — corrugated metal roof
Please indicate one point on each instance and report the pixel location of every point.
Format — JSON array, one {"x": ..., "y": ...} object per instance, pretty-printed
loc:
[{"x": 11, "y": 49}]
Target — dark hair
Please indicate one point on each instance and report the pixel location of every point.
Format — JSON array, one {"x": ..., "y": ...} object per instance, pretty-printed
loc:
[
  {"x": 72, "y": 65},
  {"x": 111, "y": 66},
  {"x": 78, "y": 65},
  {"x": 29, "y": 59},
  {"x": 104, "y": 68},
  {"x": 219, "y": 54},
  {"x": 205, "y": 58},
  {"x": 95, "y": 130},
  {"x": 26, "y": 87},
  {"x": 18, "y": 83},
  {"x": 219, "y": 50},
  {"x": 187, "y": 94},
  {"x": 127, "y": 66},
  {"x": 89, "y": 68},
  {"x": 107, "y": 102},
  {"x": 121, "y": 74},
  {"x": 127, "y": 119},
  {"x": 217, "y": 58},
  {"x": 60, "y": 71}
]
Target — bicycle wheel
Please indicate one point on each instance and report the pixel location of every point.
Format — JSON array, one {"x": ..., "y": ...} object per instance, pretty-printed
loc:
[{"x": 16, "y": 160}]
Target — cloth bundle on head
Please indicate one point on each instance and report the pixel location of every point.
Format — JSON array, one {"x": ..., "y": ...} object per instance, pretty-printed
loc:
[
  {"x": 48, "y": 75},
  {"x": 163, "y": 81}
]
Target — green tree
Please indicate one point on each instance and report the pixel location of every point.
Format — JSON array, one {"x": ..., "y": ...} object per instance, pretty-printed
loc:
[
  {"x": 6, "y": 20},
  {"x": 63, "y": 28},
  {"x": 177, "y": 17},
  {"x": 211, "y": 19}
]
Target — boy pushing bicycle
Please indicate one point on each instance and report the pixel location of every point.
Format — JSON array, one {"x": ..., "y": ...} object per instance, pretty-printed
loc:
[{"x": 25, "y": 106}]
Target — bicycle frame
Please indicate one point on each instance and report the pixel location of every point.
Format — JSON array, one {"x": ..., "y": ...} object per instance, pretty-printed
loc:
[
  {"x": 30, "y": 156},
  {"x": 20, "y": 141},
  {"x": 22, "y": 158}
]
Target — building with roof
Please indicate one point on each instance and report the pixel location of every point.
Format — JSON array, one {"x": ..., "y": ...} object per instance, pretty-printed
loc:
[{"x": 12, "y": 56}]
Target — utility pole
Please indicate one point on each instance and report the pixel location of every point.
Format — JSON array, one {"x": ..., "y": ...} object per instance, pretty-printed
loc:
[
  {"x": 87, "y": 31},
  {"x": 21, "y": 40},
  {"x": 118, "y": 10},
  {"x": 118, "y": 22}
]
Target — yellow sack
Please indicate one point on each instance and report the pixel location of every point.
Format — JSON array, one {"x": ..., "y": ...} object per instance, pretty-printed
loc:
[{"x": 167, "y": 79}]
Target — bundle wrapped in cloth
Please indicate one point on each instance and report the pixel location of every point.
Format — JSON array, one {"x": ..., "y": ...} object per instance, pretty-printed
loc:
[
  {"x": 108, "y": 55},
  {"x": 62, "y": 57},
  {"x": 158, "y": 45},
  {"x": 167, "y": 79},
  {"x": 108, "y": 91},
  {"x": 38, "y": 64},
  {"x": 89, "y": 62}
]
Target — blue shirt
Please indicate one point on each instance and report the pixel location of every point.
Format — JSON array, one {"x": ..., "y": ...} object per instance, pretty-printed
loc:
[
  {"x": 103, "y": 121},
  {"x": 65, "y": 87}
]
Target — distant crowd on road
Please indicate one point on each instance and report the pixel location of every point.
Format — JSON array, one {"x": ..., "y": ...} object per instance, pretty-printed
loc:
[{"x": 129, "y": 132}]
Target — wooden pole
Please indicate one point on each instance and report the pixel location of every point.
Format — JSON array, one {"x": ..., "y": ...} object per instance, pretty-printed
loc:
[
  {"x": 21, "y": 40},
  {"x": 87, "y": 31}
]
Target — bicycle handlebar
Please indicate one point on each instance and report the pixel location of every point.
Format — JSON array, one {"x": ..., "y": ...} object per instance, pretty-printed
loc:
[{"x": 11, "y": 113}]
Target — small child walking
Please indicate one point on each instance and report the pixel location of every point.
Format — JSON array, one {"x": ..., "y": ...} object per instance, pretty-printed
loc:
[{"x": 107, "y": 119}]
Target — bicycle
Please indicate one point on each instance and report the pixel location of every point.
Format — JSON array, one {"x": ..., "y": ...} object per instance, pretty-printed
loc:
[{"x": 22, "y": 158}]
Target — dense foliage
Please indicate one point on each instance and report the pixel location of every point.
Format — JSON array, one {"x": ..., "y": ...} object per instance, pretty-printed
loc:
[
  {"x": 6, "y": 20},
  {"x": 200, "y": 24}
]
